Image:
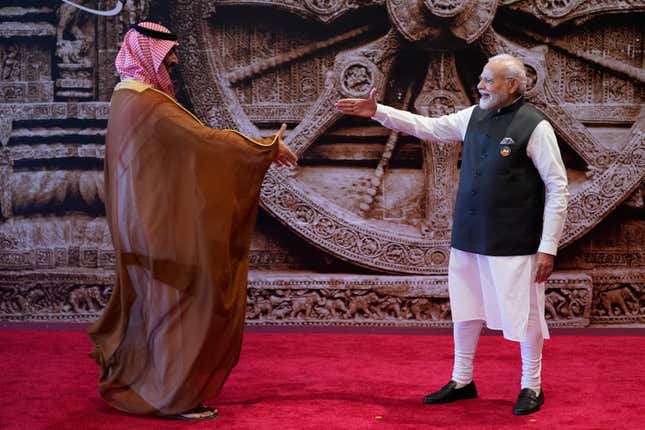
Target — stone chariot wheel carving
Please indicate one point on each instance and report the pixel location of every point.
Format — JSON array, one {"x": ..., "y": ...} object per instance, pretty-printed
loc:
[{"x": 377, "y": 199}]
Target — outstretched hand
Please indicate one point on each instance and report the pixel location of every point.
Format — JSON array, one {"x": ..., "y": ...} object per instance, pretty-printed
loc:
[
  {"x": 359, "y": 107},
  {"x": 285, "y": 156}
]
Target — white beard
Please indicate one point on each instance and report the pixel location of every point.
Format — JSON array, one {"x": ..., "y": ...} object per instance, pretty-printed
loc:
[{"x": 488, "y": 102}]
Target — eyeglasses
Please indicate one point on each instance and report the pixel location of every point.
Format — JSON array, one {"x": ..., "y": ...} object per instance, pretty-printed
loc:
[{"x": 491, "y": 81}]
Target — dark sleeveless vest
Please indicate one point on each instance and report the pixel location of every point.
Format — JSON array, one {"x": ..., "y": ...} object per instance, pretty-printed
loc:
[{"x": 500, "y": 201}]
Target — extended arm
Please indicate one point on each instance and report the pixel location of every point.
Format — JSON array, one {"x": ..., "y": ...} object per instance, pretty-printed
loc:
[{"x": 446, "y": 127}]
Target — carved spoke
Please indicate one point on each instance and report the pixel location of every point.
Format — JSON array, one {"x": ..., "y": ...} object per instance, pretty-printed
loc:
[
  {"x": 613, "y": 185},
  {"x": 355, "y": 73},
  {"x": 442, "y": 93},
  {"x": 376, "y": 181},
  {"x": 441, "y": 176},
  {"x": 613, "y": 64},
  {"x": 572, "y": 131},
  {"x": 257, "y": 68}
]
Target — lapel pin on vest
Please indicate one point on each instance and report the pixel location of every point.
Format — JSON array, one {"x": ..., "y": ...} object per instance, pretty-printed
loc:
[{"x": 505, "y": 149}]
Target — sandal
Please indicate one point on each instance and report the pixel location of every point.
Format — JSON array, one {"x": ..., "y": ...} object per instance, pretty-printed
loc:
[{"x": 200, "y": 413}]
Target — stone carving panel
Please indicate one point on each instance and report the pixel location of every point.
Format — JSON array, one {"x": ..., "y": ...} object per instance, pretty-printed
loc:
[
  {"x": 369, "y": 200},
  {"x": 619, "y": 297},
  {"x": 364, "y": 302},
  {"x": 568, "y": 298},
  {"x": 288, "y": 299},
  {"x": 10, "y": 62},
  {"x": 54, "y": 296},
  {"x": 24, "y": 72},
  {"x": 75, "y": 53}
]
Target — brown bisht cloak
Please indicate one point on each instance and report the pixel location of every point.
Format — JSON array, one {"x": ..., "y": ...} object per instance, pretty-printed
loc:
[{"x": 181, "y": 202}]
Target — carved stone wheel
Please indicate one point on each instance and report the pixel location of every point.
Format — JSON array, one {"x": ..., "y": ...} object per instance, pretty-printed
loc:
[{"x": 385, "y": 201}]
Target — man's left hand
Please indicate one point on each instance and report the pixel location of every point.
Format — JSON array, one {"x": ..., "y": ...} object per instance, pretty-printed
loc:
[
  {"x": 544, "y": 267},
  {"x": 285, "y": 157}
]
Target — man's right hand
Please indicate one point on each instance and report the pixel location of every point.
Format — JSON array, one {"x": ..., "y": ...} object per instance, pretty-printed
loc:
[
  {"x": 359, "y": 107},
  {"x": 285, "y": 156}
]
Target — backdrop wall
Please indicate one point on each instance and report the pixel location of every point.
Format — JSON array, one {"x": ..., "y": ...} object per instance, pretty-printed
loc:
[{"x": 359, "y": 234}]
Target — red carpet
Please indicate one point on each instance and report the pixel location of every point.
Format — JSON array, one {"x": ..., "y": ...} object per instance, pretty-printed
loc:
[{"x": 341, "y": 381}]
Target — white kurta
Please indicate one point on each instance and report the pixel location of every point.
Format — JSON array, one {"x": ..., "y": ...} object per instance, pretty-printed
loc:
[{"x": 492, "y": 288}]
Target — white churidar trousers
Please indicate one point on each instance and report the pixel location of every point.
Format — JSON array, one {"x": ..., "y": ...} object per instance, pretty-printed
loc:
[{"x": 501, "y": 292}]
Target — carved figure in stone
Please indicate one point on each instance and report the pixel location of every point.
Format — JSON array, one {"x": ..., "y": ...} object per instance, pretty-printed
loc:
[
  {"x": 136, "y": 10},
  {"x": 553, "y": 303},
  {"x": 495, "y": 251},
  {"x": 357, "y": 78},
  {"x": 303, "y": 303},
  {"x": 259, "y": 307},
  {"x": 418, "y": 308},
  {"x": 37, "y": 297},
  {"x": 577, "y": 300},
  {"x": 12, "y": 302},
  {"x": 337, "y": 304},
  {"x": 10, "y": 63},
  {"x": 73, "y": 38},
  {"x": 281, "y": 307},
  {"x": 364, "y": 304},
  {"x": 390, "y": 307},
  {"x": 424, "y": 309},
  {"x": 89, "y": 299},
  {"x": 618, "y": 301},
  {"x": 322, "y": 312},
  {"x": 133, "y": 12},
  {"x": 440, "y": 311}
]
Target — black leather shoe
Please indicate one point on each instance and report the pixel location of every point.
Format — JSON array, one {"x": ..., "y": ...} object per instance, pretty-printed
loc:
[
  {"x": 528, "y": 402},
  {"x": 449, "y": 393}
]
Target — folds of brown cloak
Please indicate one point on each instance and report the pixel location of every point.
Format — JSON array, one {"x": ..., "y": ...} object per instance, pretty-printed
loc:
[{"x": 181, "y": 203}]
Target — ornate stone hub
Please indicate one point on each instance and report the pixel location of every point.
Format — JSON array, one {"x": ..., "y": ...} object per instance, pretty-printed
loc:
[
  {"x": 437, "y": 24},
  {"x": 556, "y": 8},
  {"x": 447, "y": 8},
  {"x": 358, "y": 77}
]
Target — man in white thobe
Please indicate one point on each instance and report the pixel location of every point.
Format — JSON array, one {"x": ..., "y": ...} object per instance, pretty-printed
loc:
[{"x": 509, "y": 214}]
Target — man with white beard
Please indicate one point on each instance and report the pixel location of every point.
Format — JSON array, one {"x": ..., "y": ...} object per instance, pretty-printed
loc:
[{"x": 508, "y": 220}]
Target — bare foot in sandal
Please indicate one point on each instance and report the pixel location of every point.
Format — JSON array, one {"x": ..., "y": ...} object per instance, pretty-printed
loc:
[{"x": 200, "y": 413}]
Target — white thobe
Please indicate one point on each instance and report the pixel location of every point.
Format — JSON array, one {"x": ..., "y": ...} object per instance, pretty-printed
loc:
[{"x": 493, "y": 288}]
